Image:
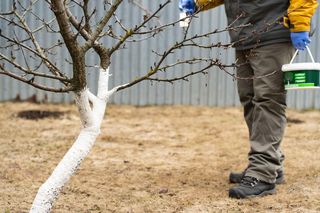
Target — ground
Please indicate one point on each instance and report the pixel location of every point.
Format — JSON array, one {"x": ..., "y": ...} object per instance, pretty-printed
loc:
[{"x": 153, "y": 159}]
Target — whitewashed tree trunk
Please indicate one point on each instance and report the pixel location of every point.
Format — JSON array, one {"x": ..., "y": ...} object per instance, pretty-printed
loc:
[{"x": 92, "y": 109}]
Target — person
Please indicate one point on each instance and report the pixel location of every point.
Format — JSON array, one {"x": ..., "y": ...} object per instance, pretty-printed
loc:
[{"x": 274, "y": 29}]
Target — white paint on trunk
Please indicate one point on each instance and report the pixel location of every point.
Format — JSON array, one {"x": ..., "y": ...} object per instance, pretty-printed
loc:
[{"x": 92, "y": 109}]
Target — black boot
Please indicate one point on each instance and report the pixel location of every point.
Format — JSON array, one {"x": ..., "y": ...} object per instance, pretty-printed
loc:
[
  {"x": 236, "y": 177},
  {"x": 252, "y": 187}
]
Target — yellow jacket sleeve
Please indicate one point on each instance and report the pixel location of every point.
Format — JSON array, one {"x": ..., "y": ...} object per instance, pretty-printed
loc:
[
  {"x": 208, "y": 4},
  {"x": 300, "y": 13}
]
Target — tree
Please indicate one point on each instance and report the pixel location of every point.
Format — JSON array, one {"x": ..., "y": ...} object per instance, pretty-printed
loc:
[{"x": 25, "y": 59}]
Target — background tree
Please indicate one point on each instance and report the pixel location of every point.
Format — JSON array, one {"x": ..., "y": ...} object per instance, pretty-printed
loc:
[{"x": 25, "y": 59}]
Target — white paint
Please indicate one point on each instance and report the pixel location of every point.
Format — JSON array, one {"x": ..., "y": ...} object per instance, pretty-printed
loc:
[{"x": 91, "y": 118}]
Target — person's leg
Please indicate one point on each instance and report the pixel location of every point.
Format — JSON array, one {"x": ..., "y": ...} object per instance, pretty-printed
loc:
[
  {"x": 245, "y": 86},
  {"x": 269, "y": 118}
]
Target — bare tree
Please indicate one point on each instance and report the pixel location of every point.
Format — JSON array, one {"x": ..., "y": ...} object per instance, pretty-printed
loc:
[{"x": 25, "y": 59}]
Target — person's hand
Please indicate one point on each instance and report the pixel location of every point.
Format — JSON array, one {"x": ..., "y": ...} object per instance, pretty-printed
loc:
[
  {"x": 187, "y": 6},
  {"x": 300, "y": 40}
]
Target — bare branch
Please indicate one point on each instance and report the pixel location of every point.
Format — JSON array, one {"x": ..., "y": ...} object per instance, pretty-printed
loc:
[
  {"x": 102, "y": 51},
  {"x": 184, "y": 77},
  {"x": 130, "y": 32},
  {"x": 19, "y": 43},
  {"x": 76, "y": 52},
  {"x": 86, "y": 16},
  {"x": 32, "y": 83},
  {"x": 59, "y": 10},
  {"x": 29, "y": 71},
  {"x": 102, "y": 24},
  {"x": 147, "y": 12},
  {"x": 37, "y": 46},
  {"x": 6, "y": 13}
]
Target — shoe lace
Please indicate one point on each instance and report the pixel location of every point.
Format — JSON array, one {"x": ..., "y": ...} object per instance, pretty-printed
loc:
[{"x": 249, "y": 181}]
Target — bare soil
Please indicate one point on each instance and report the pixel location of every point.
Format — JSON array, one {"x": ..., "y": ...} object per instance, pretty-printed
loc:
[{"x": 153, "y": 159}]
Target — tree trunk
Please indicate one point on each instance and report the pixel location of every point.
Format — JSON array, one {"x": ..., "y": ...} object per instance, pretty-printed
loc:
[{"x": 92, "y": 110}]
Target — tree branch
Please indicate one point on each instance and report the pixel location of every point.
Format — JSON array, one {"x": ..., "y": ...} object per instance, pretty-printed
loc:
[
  {"x": 32, "y": 83},
  {"x": 76, "y": 52},
  {"x": 102, "y": 24}
]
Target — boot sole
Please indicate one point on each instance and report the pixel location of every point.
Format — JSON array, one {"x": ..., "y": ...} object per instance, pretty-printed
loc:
[{"x": 265, "y": 193}]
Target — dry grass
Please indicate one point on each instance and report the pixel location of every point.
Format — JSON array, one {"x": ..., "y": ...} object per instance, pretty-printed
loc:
[{"x": 153, "y": 159}]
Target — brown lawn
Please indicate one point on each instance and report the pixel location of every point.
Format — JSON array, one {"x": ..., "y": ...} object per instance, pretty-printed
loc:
[{"x": 153, "y": 159}]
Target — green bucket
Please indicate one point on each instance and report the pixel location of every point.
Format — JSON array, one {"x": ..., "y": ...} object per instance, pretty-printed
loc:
[{"x": 301, "y": 75}]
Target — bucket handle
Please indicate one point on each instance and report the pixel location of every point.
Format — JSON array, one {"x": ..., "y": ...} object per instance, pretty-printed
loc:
[{"x": 295, "y": 54}]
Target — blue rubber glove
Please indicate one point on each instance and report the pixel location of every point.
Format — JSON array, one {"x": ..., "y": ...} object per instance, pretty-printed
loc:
[
  {"x": 300, "y": 40},
  {"x": 187, "y": 6}
]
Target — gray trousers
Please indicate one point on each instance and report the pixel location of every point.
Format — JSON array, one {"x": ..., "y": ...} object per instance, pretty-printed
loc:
[{"x": 263, "y": 97}]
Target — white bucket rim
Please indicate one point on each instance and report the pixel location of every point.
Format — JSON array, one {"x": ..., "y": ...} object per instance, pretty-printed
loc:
[{"x": 300, "y": 66}]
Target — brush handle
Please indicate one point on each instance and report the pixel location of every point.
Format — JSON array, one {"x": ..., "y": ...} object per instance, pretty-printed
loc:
[{"x": 186, "y": 21}]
